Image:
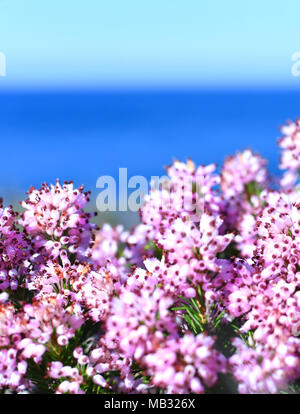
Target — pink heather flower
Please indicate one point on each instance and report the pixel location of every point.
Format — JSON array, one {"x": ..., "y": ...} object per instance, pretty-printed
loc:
[
  {"x": 182, "y": 238},
  {"x": 93, "y": 291},
  {"x": 245, "y": 224},
  {"x": 274, "y": 306},
  {"x": 99, "y": 380},
  {"x": 138, "y": 319},
  {"x": 4, "y": 296},
  {"x": 107, "y": 243},
  {"x": 210, "y": 255},
  {"x": 103, "y": 359},
  {"x": 173, "y": 278},
  {"x": 24, "y": 333},
  {"x": 185, "y": 365},
  {"x": 72, "y": 378},
  {"x": 290, "y": 155},
  {"x": 15, "y": 250},
  {"x": 233, "y": 286},
  {"x": 267, "y": 368},
  {"x": 195, "y": 184},
  {"x": 112, "y": 251},
  {"x": 72, "y": 385},
  {"x": 278, "y": 228},
  {"x": 83, "y": 287},
  {"x": 78, "y": 351},
  {"x": 243, "y": 178},
  {"x": 240, "y": 170},
  {"x": 187, "y": 193},
  {"x": 55, "y": 219}
]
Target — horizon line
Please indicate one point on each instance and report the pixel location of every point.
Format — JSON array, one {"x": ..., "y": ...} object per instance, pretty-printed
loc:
[{"x": 102, "y": 88}]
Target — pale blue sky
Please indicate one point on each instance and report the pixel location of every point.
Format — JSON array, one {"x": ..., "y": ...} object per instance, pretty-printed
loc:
[{"x": 113, "y": 43}]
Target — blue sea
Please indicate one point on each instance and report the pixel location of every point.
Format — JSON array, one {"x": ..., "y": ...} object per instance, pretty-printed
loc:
[{"x": 83, "y": 135}]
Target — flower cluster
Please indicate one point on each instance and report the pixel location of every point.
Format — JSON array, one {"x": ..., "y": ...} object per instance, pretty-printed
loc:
[
  {"x": 203, "y": 292},
  {"x": 14, "y": 249},
  {"x": 55, "y": 220},
  {"x": 290, "y": 159}
]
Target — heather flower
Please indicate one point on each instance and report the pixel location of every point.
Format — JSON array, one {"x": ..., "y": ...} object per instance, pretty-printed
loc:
[
  {"x": 26, "y": 334},
  {"x": 268, "y": 367},
  {"x": 104, "y": 360},
  {"x": 117, "y": 249},
  {"x": 84, "y": 288},
  {"x": 108, "y": 243},
  {"x": 55, "y": 219},
  {"x": 186, "y": 194},
  {"x": 184, "y": 365},
  {"x": 183, "y": 238},
  {"x": 290, "y": 155},
  {"x": 233, "y": 286},
  {"x": 278, "y": 228},
  {"x": 138, "y": 320},
  {"x": 15, "y": 250},
  {"x": 72, "y": 378},
  {"x": 212, "y": 270},
  {"x": 242, "y": 170}
]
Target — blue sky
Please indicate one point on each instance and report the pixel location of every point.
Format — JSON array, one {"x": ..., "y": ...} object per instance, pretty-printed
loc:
[{"x": 126, "y": 43}]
